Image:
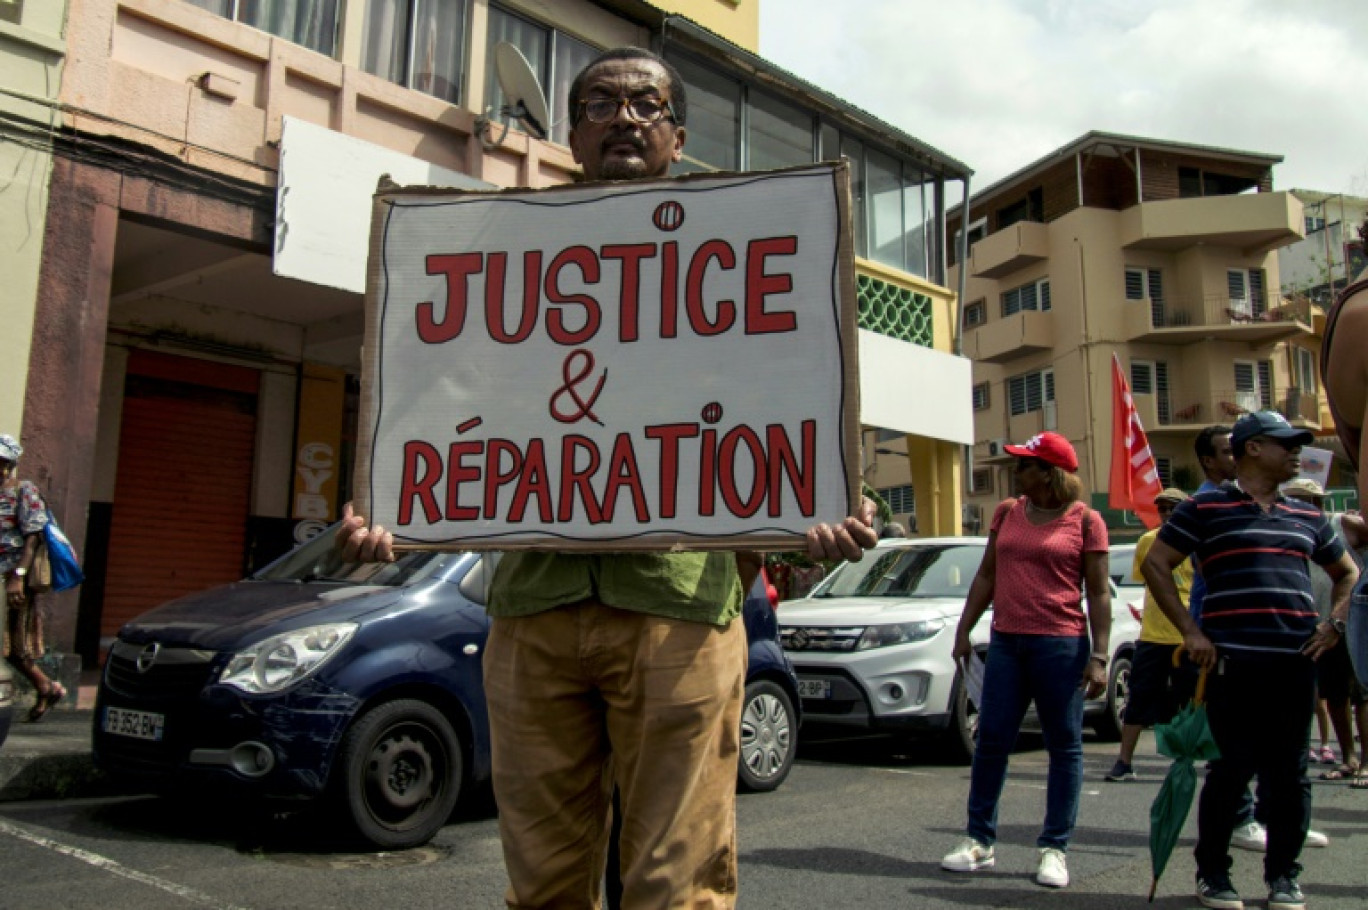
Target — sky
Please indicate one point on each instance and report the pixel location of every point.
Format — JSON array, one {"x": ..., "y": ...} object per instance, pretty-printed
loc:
[{"x": 997, "y": 84}]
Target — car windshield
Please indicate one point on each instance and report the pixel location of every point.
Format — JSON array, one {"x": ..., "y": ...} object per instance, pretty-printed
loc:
[
  {"x": 933, "y": 570},
  {"x": 316, "y": 560}
]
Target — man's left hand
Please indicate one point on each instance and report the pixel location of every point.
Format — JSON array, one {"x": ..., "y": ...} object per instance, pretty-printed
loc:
[
  {"x": 1322, "y": 641},
  {"x": 847, "y": 540}
]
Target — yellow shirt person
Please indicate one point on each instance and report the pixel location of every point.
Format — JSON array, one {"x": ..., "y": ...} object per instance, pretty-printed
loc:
[{"x": 1154, "y": 626}]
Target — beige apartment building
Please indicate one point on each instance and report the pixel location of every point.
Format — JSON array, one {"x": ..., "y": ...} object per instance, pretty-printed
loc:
[
  {"x": 190, "y": 400},
  {"x": 1162, "y": 253}
]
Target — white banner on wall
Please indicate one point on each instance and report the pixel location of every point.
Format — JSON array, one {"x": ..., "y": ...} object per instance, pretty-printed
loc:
[{"x": 637, "y": 365}]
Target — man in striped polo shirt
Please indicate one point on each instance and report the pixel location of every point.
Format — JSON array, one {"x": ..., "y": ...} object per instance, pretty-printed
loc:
[{"x": 1259, "y": 635}]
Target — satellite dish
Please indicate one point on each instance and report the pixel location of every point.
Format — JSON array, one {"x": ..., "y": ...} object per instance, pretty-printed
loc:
[{"x": 522, "y": 94}]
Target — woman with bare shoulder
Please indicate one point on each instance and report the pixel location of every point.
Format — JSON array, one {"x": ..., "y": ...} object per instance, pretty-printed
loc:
[{"x": 1344, "y": 369}]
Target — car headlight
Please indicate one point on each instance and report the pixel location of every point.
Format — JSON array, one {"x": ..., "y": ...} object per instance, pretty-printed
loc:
[
  {"x": 283, "y": 660},
  {"x": 899, "y": 633}
]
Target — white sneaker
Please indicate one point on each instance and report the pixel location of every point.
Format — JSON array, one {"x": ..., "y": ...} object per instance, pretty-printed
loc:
[
  {"x": 1052, "y": 872},
  {"x": 968, "y": 856},
  {"x": 1251, "y": 836},
  {"x": 1315, "y": 839}
]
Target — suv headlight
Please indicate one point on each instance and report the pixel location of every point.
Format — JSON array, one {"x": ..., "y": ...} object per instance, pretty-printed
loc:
[
  {"x": 283, "y": 660},
  {"x": 900, "y": 633}
]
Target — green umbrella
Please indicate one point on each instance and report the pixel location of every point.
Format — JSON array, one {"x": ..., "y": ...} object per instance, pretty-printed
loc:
[{"x": 1185, "y": 739}]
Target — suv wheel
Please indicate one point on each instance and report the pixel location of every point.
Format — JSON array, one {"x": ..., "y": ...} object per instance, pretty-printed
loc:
[
  {"x": 1108, "y": 723},
  {"x": 767, "y": 737},
  {"x": 401, "y": 773},
  {"x": 962, "y": 734}
]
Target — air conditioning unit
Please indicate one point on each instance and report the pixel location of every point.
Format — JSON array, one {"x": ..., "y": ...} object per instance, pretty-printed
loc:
[{"x": 997, "y": 447}]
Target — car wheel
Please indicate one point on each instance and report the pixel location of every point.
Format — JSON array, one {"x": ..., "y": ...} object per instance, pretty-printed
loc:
[
  {"x": 1108, "y": 723},
  {"x": 962, "y": 734},
  {"x": 767, "y": 737},
  {"x": 401, "y": 773}
]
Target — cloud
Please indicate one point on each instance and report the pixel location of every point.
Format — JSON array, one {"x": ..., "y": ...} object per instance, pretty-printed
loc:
[{"x": 999, "y": 83}]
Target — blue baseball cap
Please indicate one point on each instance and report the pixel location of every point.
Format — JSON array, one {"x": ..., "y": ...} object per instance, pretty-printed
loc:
[{"x": 1270, "y": 424}]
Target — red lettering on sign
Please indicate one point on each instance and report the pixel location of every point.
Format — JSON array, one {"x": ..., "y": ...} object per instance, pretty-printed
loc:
[
  {"x": 707, "y": 473},
  {"x": 575, "y": 480},
  {"x": 727, "y": 471},
  {"x": 496, "y": 294},
  {"x": 669, "y": 435},
  {"x": 457, "y": 268},
  {"x": 623, "y": 472},
  {"x": 458, "y": 473},
  {"x": 760, "y": 284},
  {"x": 782, "y": 462},
  {"x": 495, "y": 475},
  {"x": 669, "y": 290},
  {"x": 693, "y": 290},
  {"x": 631, "y": 255},
  {"x": 412, "y": 483},
  {"x": 588, "y": 264},
  {"x": 532, "y": 482}
]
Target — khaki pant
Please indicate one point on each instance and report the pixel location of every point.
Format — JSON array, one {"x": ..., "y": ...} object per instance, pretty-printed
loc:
[{"x": 585, "y": 696}]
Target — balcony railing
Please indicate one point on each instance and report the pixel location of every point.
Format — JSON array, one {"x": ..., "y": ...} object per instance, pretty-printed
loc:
[
  {"x": 1256, "y": 319},
  {"x": 1300, "y": 407}
]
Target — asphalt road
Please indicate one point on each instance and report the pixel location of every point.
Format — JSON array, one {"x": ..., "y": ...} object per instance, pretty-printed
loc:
[{"x": 859, "y": 823}]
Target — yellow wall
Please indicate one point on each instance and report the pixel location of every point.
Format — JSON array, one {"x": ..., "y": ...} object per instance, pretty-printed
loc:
[
  {"x": 736, "y": 20},
  {"x": 31, "y": 55}
]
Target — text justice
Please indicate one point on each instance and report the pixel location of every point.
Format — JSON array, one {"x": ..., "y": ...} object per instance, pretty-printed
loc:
[
  {"x": 740, "y": 470},
  {"x": 703, "y": 318}
]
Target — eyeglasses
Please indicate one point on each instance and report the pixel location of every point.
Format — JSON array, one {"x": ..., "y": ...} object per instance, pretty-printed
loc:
[{"x": 641, "y": 109}]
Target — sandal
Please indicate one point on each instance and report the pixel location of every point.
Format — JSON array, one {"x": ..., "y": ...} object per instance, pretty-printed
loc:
[
  {"x": 1343, "y": 772},
  {"x": 1327, "y": 755},
  {"x": 55, "y": 693},
  {"x": 1359, "y": 782}
]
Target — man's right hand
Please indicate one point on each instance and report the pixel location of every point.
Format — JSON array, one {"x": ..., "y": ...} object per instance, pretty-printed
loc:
[
  {"x": 357, "y": 543},
  {"x": 963, "y": 648},
  {"x": 1200, "y": 650}
]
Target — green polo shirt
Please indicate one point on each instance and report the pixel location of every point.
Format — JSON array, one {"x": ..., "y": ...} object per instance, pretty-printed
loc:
[{"x": 694, "y": 586}]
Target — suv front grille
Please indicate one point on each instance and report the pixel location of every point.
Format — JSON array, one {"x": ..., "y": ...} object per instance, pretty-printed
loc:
[
  {"x": 819, "y": 638},
  {"x": 135, "y": 671}
]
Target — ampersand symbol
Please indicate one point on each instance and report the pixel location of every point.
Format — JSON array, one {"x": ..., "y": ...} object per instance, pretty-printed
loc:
[{"x": 585, "y": 367}]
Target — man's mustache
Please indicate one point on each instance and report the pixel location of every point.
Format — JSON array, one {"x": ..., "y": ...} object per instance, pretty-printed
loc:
[{"x": 636, "y": 140}]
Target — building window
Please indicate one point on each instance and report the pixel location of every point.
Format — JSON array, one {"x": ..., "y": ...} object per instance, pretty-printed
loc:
[
  {"x": 981, "y": 398},
  {"x": 901, "y": 500},
  {"x": 734, "y": 125},
  {"x": 1151, "y": 378},
  {"x": 1314, "y": 223},
  {"x": 1031, "y": 208},
  {"x": 1147, "y": 284},
  {"x": 1031, "y": 392},
  {"x": 419, "y": 44},
  {"x": 981, "y": 481},
  {"x": 554, "y": 56},
  {"x": 976, "y": 313},
  {"x": 1033, "y": 296},
  {"x": 1246, "y": 289},
  {"x": 312, "y": 23},
  {"x": 1164, "y": 465},
  {"x": 1306, "y": 369},
  {"x": 1253, "y": 385}
]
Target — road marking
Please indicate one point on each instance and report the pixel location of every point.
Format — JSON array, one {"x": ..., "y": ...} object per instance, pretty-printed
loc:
[{"x": 116, "y": 868}]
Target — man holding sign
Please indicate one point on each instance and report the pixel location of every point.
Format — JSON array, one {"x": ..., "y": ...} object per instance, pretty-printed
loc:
[{"x": 620, "y": 668}]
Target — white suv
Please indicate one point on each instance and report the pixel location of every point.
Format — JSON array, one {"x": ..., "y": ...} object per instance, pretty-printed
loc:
[{"x": 872, "y": 642}]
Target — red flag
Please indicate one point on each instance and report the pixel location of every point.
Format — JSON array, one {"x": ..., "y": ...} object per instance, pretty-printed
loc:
[{"x": 1134, "y": 477}]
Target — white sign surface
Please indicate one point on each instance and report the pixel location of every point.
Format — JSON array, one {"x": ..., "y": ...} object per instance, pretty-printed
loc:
[{"x": 636, "y": 365}]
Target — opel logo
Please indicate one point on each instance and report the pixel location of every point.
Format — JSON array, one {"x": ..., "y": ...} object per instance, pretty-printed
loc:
[{"x": 148, "y": 656}]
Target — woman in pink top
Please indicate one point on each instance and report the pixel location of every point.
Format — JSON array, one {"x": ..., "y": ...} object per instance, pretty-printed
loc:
[{"x": 1041, "y": 547}]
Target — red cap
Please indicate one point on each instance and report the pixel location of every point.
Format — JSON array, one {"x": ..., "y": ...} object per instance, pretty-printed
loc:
[{"x": 1050, "y": 448}]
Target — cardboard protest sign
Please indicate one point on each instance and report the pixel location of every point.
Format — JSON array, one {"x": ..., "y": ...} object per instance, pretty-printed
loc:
[{"x": 612, "y": 366}]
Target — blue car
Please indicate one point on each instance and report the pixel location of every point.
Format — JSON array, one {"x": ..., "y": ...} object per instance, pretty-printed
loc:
[{"x": 357, "y": 686}]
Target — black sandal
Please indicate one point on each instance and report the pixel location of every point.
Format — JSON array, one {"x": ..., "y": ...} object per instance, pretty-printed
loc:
[{"x": 55, "y": 693}]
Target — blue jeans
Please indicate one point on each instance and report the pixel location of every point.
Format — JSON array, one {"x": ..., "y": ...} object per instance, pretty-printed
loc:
[{"x": 1049, "y": 670}]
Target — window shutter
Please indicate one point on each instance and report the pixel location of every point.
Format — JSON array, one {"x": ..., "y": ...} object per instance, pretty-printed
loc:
[
  {"x": 1256, "y": 291},
  {"x": 1016, "y": 394},
  {"x": 1161, "y": 390},
  {"x": 1266, "y": 384},
  {"x": 1142, "y": 377},
  {"x": 1045, "y": 295},
  {"x": 1135, "y": 284}
]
